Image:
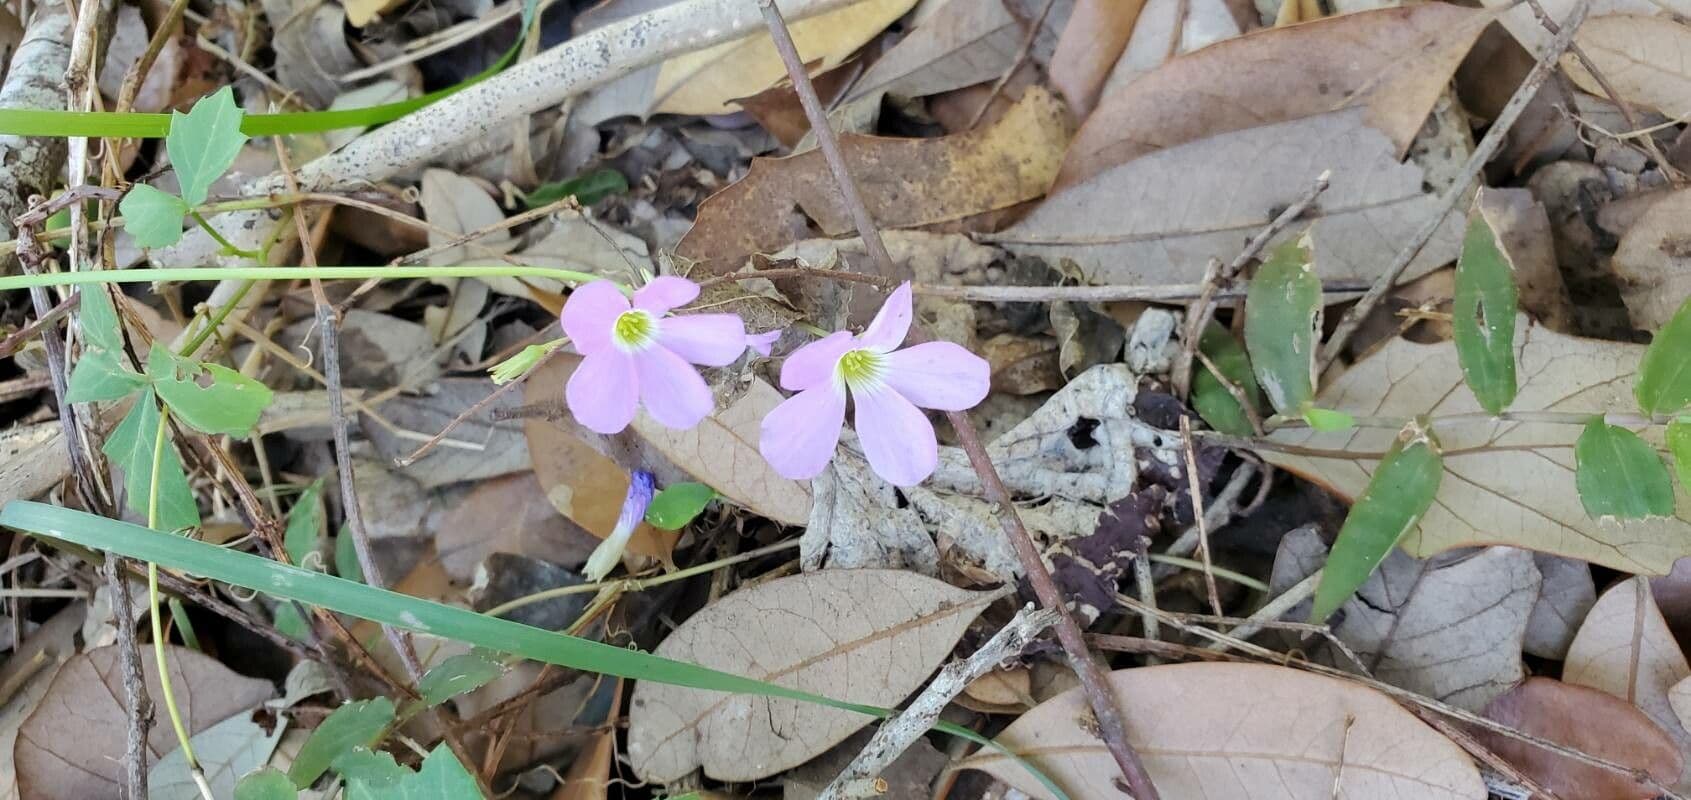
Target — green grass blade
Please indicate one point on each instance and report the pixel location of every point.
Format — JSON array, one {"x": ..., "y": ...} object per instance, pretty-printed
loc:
[{"x": 412, "y": 613}]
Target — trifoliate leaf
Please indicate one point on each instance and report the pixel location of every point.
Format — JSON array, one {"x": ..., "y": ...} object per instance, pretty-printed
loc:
[
  {"x": 153, "y": 217},
  {"x": 1620, "y": 475},
  {"x": 204, "y": 142},
  {"x": 229, "y": 404},
  {"x": 131, "y": 446},
  {"x": 99, "y": 375}
]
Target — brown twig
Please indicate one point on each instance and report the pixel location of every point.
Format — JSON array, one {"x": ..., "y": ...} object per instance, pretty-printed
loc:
[
  {"x": 1334, "y": 290},
  {"x": 1218, "y": 278},
  {"x": 1016, "y": 64},
  {"x": 406, "y": 461},
  {"x": 1195, "y": 487},
  {"x": 18, "y": 338},
  {"x": 1246, "y": 403},
  {"x": 1112, "y": 729},
  {"x": 1453, "y": 195}
]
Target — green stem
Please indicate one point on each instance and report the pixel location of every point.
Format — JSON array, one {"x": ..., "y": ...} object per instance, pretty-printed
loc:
[
  {"x": 223, "y": 311},
  {"x": 153, "y": 600},
  {"x": 636, "y": 584},
  {"x": 228, "y": 246},
  {"x": 244, "y": 204},
  {"x": 1219, "y": 572},
  {"x": 283, "y": 273}
]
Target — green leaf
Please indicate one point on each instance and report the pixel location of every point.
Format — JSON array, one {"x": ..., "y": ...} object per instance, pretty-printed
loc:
[
  {"x": 305, "y": 523},
  {"x": 373, "y": 768},
  {"x": 1210, "y": 398},
  {"x": 99, "y": 375},
  {"x": 361, "y": 723},
  {"x": 678, "y": 504},
  {"x": 288, "y": 622},
  {"x": 456, "y": 675},
  {"x": 414, "y": 614},
  {"x": 230, "y": 405},
  {"x": 153, "y": 217},
  {"x": 130, "y": 446},
  {"x": 1397, "y": 496},
  {"x": 441, "y": 777},
  {"x": 1484, "y": 315},
  {"x": 233, "y": 747},
  {"x": 269, "y": 783},
  {"x": 587, "y": 189},
  {"x": 1679, "y": 444},
  {"x": 1620, "y": 475},
  {"x": 346, "y": 558},
  {"x": 1283, "y": 325},
  {"x": 1327, "y": 420},
  {"x": 204, "y": 142},
  {"x": 1664, "y": 374},
  {"x": 100, "y": 326}
]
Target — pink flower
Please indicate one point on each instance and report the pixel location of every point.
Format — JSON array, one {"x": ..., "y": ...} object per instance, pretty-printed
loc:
[
  {"x": 889, "y": 387},
  {"x": 634, "y": 355}
]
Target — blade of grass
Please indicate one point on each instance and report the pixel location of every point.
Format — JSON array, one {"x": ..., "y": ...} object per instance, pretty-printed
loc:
[{"x": 413, "y": 613}]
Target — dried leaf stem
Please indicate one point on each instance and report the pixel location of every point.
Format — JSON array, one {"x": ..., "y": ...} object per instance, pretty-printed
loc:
[{"x": 1112, "y": 728}]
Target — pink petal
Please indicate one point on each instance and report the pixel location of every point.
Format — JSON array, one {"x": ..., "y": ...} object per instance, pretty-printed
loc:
[
  {"x": 891, "y": 323},
  {"x": 589, "y": 314},
  {"x": 799, "y": 436},
  {"x": 671, "y": 389},
  {"x": 813, "y": 364},
  {"x": 897, "y": 437},
  {"x": 762, "y": 342},
  {"x": 664, "y": 293},
  {"x": 602, "y": 392},
  {"x": 709, "y": 339},
  {"x": 939, "y": 375}
]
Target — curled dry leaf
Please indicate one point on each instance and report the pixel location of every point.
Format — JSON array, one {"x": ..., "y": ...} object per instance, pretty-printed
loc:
[
  {"x": 1588, "y": 721},
  {"x": 1647, "y": 59},
  {"x": 1394, "y": 63},
  {"x": 905, "y": 183},
  {"x": 1093, "y": 40},
  {"x": 1625, "y": 648},
  {"x": 1654, "y": 261},
  {"x": 1155, "y": 41},
  {"x": 1160, "y": 217},
  {"x": 1237, "y": 731},
  {"x": 1505, "y": 482},
  {"x": 856, "y": 523},
  {"x": 864, "y": 636},
  {"x": 961, "y": 44},
  {"x": 66, "y": 747}
]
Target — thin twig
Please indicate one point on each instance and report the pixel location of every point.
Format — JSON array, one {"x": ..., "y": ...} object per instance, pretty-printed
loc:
[
  {"x": 1453, "y": 195},
  {"x": 408, "y": 460},
  {"x": 1112, "y": 728},
  {"x": 1195, "y": 487},
  {"x": 1334, "y": 290},
  {"x": 896, "y": 735},
  {"x": 18, "y": 338},
  {"x": 1015, "y": 64}
]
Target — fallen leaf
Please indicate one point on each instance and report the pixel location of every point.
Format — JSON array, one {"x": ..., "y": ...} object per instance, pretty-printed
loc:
[
  {"x": 1506, "y": 483},
  {"x": 1646, "y": 59},
  {"x": 909, "y": 777},
  {"x": 963, "y": 43},
  {"x": 576, "y": 242},
  {"x": 1654, "y": 261},
  {"x": 455, "y": 203},
  {"x": 1226, "y": 731},
  {"x": 1523, "y": 231},
  {"x": 1159, "y": 218},
  {"x": 1393, "y": 63},
  {"x": 1021, "y": 364},
  {"x": 1092, "y": 41},
  {"x": 364, "y": 12},
  {"x": 1586, "y": 720},
  {"x": 480, "y": 447},
  {"x": 708, "y": 81},
  {"x": 1155, "y": 41},
  {"x": 30, "y": 668},
  {"x": 1449, "y": 627},
  {"x": 1625, "y": 648},
  {"x": 311, "y": 50},
  {"x": 589, "y": 776},
  {"x": 905, "y": 183},
  {"x": 225, "y": 752},
  {"x": 863, "y": 636},
  {"x": 68, "y": 746},
  {"x": 1523, "y": 24},
  {"x": 1566, "y": 597},
  {"x": 378, "y": 351},
  {"x": 1679, "y": 698},
  {"x": 856, "y": 522},
  {"x": 509, "y": 514}
]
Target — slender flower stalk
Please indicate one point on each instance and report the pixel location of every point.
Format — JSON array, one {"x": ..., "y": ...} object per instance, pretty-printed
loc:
[{"x": 608, "y": 554}]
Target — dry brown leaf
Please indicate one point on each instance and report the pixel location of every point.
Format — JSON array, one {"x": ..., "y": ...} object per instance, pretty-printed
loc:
[
  {"x": 1092, "y": 42},
  {"x": 1654, "y": 261},
  {"x": 1625, "y": 648},
  {"x": 1523, "y": 228},
  {"x": 1523, "y": 24},
  {"x": 856, "y": 522},
  {"x": 453, "y": 202},
  {"x": 1586, "y": 720},
  {"x": 709, "y": 81},
  {"x": 69, "y": 746},
  {"x": 1393, "y": 62},
  {"x": 963, "y": 43},
  {"x": 1646, "y": 59},
  {"x": 309, "y": 38},
  {"x": 1239, "y": 731},
  {"x": 1154, "y": 41},
  {"x": 29, "y": 671},
  {"x": 582, "y": 484},
  {"x": 863, "y": 636},
  {"x": 590, "y": 774},
  {"x": 1159, "y": 218},
  {"x": 905, "y": 183},
  {"x": 364, "y": 12},
  {"x": 481, "y": 446},
  {"x": 1519, "y": 490},
  {"x": 509, "y": 514}
]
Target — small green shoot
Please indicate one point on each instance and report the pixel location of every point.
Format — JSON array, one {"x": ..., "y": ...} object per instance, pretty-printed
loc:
[
  {"x": 586, "y": 189},
  {"x": 1283, "y": 325},
  {"x": 1397, "y": 496},
  {"x": 202, "y": 143},
  {"x": 1664, "y": 374},
  {"x": 678, "y": 504},
  {"x": 1619, "y": 475},
  {"x": 1483, "y": 315}
]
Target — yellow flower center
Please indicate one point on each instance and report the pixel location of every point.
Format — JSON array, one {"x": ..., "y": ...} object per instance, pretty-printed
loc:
[
  {"x": 861, "y": 369},
  {"x": 634, "y": 329}
]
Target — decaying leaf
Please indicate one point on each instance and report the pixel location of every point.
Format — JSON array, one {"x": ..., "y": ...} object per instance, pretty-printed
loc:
[
  {"x": 508, "y": 514},
  {"x": 1394, "y": 63},
  {"x": 225, "y": 752},
  {"x": 1566, "y": 597},
  {"x": 65, "y": 748},
  {"x": 480, "y": 447},
  {"x": 1238, "y": 731},
  {"x": 905, "y": 183},
  {"x": 1647, "y": 60},
  {"x": 1160, "y": 217},
  {"x": 1155, "y": 40},
  {"x": 1505, "y": 482},
  {"x": 963, "y": 43},
  {"x": 1522, "y": 22},
  {"x": 1093, "y": 40},
  {"x": 1625, "y": 648},
  {"x": 1449, "y": 627},
  {"x": 856, "y": 523},
  {"x": 864, "y": 636},
  {"x": 1654, "y": 261},
  {"x": 1588, "y": 721}
]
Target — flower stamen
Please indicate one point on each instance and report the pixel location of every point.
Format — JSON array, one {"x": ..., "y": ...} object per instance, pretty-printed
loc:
[
  {"x": 861, "y": 369},
  {"x": 634, "y": 329}
]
